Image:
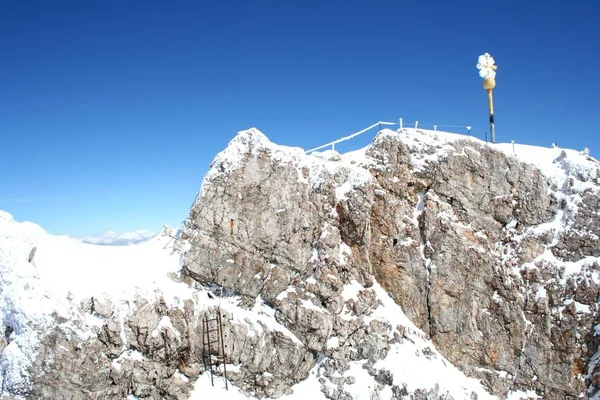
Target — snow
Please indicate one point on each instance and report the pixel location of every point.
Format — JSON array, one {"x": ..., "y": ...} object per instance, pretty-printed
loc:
[
  {"x": 66, "y": 271},
  {"x": 253, "y": 141},
  {"x": 260, "y": 313},
  {"x": 204, "y": 389},
  {"x": 392, "y": 312},
  {"x": 319, "y": 164},
  {"x": 112, "y": 238},
  {"x": 421, "y": 371},
  {"x": 309, "y": 305},
  {"x": 84, "y": 270},
  {"x": 541, "y": 293},
  {"x": 364, "y": 387},
  {"x": 485, "y": 65},
  {"x": 164, "y": 324},
  {"x": 555, "y": 163},
  {"x": 425, "y": 146},
  {"x": 333, "y": 342},
  {"x": 6, "y": 216},
  {"x": 426, "y": 371},
  {"x": 408, "y": 361},
  {"x": 521, "y": 395},
  {"x": 501, "y": 374},
  {"x": 344, "y": 250},
  {"x": 127, "y": 355},
  {"x": 309, "y": 388},
  {"x": 579, "y": 308},
  {"x": 569, "y": 172},
  {"x": 283, "y": 295},
  {"x": 351, "y": 291},
  {"x": 572, "y": 268}
]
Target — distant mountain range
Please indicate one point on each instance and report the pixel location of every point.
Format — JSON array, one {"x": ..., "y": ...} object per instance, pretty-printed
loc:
[{"x": 112, "y": 238}]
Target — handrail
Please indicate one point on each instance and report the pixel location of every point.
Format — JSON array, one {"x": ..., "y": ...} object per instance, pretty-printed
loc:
[{"x": 350, "y": 136}]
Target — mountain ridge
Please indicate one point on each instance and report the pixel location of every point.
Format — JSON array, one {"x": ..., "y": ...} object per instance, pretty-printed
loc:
[
  {"x": 451, "y": 226},
  {"x": 427, "y": 265},
  {"x": 112, "y": 238}
]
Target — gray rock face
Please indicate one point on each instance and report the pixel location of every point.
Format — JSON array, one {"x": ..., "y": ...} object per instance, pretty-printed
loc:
[
  {"x": 157, "y": 353},
  {"x": 495, "y": 260},
  {"x": 471, "y": 242}
]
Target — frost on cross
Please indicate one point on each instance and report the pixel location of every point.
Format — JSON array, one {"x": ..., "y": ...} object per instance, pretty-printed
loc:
[{"x": 486, "y": 67}]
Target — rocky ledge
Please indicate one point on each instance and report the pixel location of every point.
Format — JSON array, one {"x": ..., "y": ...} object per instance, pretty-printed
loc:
[{"x": 425, "y": 266}]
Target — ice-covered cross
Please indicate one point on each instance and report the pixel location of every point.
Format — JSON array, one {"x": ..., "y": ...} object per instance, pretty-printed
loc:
[{"x": 486, "y": 66}]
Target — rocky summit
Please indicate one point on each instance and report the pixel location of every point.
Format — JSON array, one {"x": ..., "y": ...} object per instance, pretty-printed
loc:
[{"x": 427, "y": 265}]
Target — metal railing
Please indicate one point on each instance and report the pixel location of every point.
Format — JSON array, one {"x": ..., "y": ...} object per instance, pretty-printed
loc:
[
  {"x": 468, "y": 130},
  {"x": 332, "y": 144}
]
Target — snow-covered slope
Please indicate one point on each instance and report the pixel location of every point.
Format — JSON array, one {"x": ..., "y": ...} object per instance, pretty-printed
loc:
[
  {"x": 470, "y": 237},
  {"x": 63, "y": 273},
  {"x": 48, "y": 282},
  {"x": 112, "y": 238}
]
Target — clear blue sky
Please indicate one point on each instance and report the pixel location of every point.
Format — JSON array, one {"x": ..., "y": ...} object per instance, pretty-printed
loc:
[{"x": 111, "y": 111}]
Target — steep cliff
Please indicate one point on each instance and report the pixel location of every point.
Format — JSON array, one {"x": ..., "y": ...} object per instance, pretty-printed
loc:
[
  {"x": 489, "y": 249},
  {"x": 394, "y": 272}
]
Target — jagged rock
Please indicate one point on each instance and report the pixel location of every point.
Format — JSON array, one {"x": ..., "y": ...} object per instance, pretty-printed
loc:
[
  {"x": 493, "y": 258},
  {"x": 32, "y": 254},
  {"x": 443, "y": 226}
]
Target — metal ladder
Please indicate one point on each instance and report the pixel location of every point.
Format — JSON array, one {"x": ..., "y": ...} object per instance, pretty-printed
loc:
[{"x": 213, "y": 346}]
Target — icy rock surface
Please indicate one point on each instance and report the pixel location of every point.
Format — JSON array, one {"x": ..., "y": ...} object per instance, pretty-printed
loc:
[
  {"x": 425, "y": 266},
  {"x": 491, "y": 250}
]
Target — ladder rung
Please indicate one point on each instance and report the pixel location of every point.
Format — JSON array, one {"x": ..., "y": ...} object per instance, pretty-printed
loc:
[{"x": 212, "y": 342}]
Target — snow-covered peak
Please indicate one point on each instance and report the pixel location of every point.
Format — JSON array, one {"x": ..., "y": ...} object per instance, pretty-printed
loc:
[
  {"x": 6, "y": 216},
  {"x": 252, "y": 142},
  {"x": 554, "y": 162},
  {"x": 425, "y": 146},
  {"x": 31, "y": 229},
  {"x": 251, "y": 136},
  {"x": 67, "y": 266}
]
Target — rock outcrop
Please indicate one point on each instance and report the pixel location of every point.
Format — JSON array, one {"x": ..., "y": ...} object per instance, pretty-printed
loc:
[
  {"x": 392, "y": 272},
  {"x": 492, "y": 256}
]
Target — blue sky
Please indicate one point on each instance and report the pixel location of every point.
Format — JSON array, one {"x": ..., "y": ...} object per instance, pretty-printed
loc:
[{"x": 111, "y": 111}]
